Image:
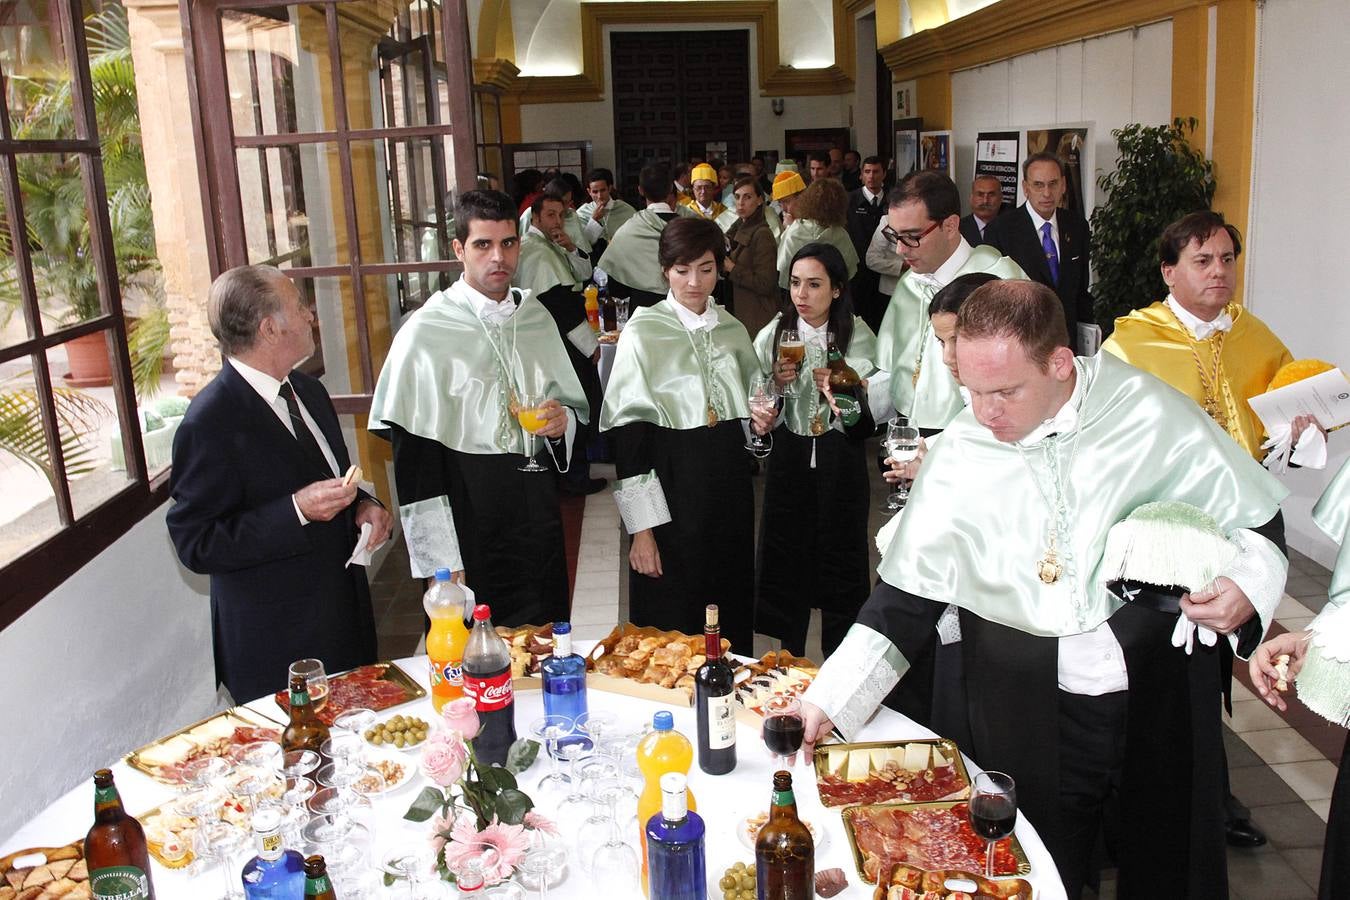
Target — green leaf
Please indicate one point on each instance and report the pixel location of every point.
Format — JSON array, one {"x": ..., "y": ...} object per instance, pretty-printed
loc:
[
  {"x": 496, "y": 778},
  {"x": 521, "y": 755},
  {"x": 427, "y": 804},
  {"x": 512, "y": 805}
]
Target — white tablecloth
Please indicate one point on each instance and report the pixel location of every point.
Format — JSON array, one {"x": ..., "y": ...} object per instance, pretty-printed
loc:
[{"x": 723, "y": 801}]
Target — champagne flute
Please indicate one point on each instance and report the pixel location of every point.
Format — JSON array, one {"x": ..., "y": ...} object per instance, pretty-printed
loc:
[
  {"x": 993, "y": 812},
  {"x": 316, "y": 679},
  {"x": 763, "y": 399},
  {"x": 792, "y": 350},
  {"x": 783, "y": 729},
  {"x": 531, "y": 419},
  {"x": 902, "y": 445}
]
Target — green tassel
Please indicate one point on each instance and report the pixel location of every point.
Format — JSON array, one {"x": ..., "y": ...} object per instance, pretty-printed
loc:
[
  {"x": 1167, "y": 543},
  {"x": 1324, "y": 681}
]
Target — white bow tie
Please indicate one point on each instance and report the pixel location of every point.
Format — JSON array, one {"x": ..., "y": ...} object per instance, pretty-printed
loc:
[
  {"x": 498, "y": 313},
  {"x": 1203, "y": 330},
  {"x": 929, "y": 281}
]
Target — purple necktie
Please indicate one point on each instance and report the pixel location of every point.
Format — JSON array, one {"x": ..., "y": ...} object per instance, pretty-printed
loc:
[{"x": 1051, "y": 254}]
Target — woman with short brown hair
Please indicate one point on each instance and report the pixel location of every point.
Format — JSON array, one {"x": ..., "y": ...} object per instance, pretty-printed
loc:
[{"x": 820, "y": 215}]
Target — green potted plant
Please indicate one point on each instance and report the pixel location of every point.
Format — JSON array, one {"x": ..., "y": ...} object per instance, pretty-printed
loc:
[{"x": 1159, "y": 177}]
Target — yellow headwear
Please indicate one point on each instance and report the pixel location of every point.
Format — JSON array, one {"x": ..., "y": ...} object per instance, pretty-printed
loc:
[
  {"x": 785, "y": 184},
  {"x": 703, "y": 172},
  {"x": 1298, "y": 370}
]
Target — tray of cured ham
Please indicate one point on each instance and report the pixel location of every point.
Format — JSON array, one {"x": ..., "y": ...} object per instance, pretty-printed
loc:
[
  {"x": 911, "y": 883},
  {"x": 645, "y": 662},
  {"x": 223, "y": 734},
  {"x": 890, "y": 772},
  {"x": 378, "y": 686},
  {"x": 45, "y": 873},
  {"x": 928, "y": 836}
]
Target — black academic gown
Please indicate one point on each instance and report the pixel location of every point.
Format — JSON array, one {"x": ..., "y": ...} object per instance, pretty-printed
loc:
[
  {"x": 707, "y": 549},
  {"x": 813, "y": 535},
  {"x": 508, "y": 523},
  {"x": 568, "y": 308}
]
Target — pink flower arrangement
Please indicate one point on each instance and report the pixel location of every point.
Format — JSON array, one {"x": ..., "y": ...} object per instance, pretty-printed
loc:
[
  {"x": 444, "y": 757},
  {"x": 537, "y": 822},
  {"x": 462, "y": 716},
  {"x": 466, "y": 843}
]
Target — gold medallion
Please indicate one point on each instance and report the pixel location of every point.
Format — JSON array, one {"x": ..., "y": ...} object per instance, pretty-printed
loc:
[
  {"x": 915, "y": 380},
  {"x": 817, "y": 426},
  {"x": 1049, "y": 569},
  {"x": 1215, "y": 412},
  {"x": 712, "y": 416}
]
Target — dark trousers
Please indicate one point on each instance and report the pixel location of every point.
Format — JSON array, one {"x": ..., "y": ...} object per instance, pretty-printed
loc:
[{"x": 1092, "y": 752}]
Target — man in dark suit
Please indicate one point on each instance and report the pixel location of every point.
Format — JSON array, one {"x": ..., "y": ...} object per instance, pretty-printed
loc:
[
  {"x": 986, "y": 202},
  {"x": 1048, "y": 241},
  {"x": 260, "y": 502},
  {"x": 866, "y": 207}
]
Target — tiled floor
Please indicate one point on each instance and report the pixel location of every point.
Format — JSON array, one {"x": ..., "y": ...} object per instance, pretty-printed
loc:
[{"x": 1281, "y": 765}]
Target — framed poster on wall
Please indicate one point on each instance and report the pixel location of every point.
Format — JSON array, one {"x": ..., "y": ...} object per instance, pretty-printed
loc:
[
  {"x": 936, "y": 152},
  {"x": 1072, "y": 143},
  {"x": 801, "y": 142},
  {"x": 997, "y": 155},
  {"x": 906, "y": 158}
]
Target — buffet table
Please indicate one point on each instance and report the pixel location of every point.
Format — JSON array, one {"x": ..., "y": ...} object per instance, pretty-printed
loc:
[{"x": 723, "y": 801}]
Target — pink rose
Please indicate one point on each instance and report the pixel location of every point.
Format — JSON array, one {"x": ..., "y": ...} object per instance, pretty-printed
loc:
[
  {"x": 443, "y": 758},
  {"x": 462, "y": 715}
]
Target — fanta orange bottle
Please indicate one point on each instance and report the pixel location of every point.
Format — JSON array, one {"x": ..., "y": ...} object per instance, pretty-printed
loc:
[
  {"x": 662, "y": 750},
  {"x": 444, "y": 603}
]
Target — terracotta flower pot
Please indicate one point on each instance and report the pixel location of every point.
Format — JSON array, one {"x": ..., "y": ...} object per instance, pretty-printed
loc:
[{"x": 89, "y": 362}]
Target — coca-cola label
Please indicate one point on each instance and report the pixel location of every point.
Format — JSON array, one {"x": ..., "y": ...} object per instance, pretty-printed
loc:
[{"x": 491, "y": 692}]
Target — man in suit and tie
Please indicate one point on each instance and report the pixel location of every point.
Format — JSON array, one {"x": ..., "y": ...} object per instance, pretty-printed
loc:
[
  {"x": 986, "y": 202},
  {"x": 866, "y": 208},
  {"x": 1048, "y": 241},
  {"x": 260, "y": 501}
]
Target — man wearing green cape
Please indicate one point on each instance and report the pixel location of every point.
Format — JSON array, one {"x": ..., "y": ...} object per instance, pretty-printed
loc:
[
  {"x": 630, "y": 259},
  {"x": 459, "y": 372}
]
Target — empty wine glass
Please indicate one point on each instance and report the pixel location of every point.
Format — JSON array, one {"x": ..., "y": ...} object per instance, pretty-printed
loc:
[
  {"x": 993, "y": 812},
  {"x": 544, "y": 868},
  {"x": 474, "y": 865},
  {"x": 358, "y": 721},
  {"x": 783, "y": 729},
  {"x": 531, "y": 419},
  {"x": 297, "y": 763},
  {"x": 316, "y": 679},
  {"x": 410, "y": 871},
  {"x": 551, "y": 729},
  {"x": 763, "y": 399},
  {"x": 614, "y": 862},
  {"x": 207, "y": 771},
  {"x": 596, "y": 725},
  {"x": 620, "y": 312},
  {"x": 222, "y": 843}
]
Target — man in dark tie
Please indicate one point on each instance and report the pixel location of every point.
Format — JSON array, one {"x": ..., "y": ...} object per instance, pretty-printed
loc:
[
  {"x": 986, "y": 202},
  {"x": 260, "y": 501},
  {"x": 1049, "y": 241},
  {"x": 866, "y": 207}
]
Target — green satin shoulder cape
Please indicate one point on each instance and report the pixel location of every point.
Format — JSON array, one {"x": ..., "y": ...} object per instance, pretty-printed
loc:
[
  {"x": 805, "y": 231},
  {"x": 631, "y": 256},
  {"x": 618, "y": 212},
  {"x": 798, "y": 411},
  {"x": 975, "y": 525},
  {"x": 657, "y": 376},
  {"x": 440, "y": 380},
  {"x": 1332, "y": 515},
  {"x": 571, "y": 224},
  {"x": 936, "y": 398},
  {"x": 543, "y": 265}
]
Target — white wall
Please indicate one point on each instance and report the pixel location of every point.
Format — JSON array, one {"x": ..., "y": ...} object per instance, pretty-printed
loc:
[
  {"x": 1110, "y": 81},
  {"x": 118, "y": 655},
  {"x": 1295, "y": 274},
  {"x": 594, "y": 121}
]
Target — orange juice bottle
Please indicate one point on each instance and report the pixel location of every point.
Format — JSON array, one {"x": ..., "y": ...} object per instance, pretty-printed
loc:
[
  {"x": 592, "y": 306},
  {"x": 444, "y": 603},
  {"x": 662, "y": 750}
]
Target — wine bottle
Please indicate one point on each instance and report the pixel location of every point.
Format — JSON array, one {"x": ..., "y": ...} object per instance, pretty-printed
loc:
[{"x": 714, "y": 697}]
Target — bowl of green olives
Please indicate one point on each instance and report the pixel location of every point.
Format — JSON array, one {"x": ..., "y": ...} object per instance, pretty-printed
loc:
[
  {"x": 738, "y": 882},
  {"x": 399, "y": 732}
]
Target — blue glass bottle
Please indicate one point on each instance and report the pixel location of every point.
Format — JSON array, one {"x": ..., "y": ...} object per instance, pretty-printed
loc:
[
  {"x": 275, "y": 873},
  {"x": 675, "y": 862},
  {"x": 564, "y": 677}
]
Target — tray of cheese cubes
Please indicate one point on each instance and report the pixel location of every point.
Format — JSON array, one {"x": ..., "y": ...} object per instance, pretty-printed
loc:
[{"x": 890, "y": 772}]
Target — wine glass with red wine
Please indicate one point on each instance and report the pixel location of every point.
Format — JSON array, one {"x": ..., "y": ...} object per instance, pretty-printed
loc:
[
  {"x": 783, "y": 729},
  {"x": 993, "y": 812}
]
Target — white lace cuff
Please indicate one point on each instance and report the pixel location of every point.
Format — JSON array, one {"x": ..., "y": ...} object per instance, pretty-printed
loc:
[
  {"x": 949, "y": 626},
  {"x": 429, "y": 528},
  {"x": 584, "y": 339},
  {"x": 1260, "y": 570},
  {"x": 642, "y": 502},
  {"x": 856, "y": 678}
]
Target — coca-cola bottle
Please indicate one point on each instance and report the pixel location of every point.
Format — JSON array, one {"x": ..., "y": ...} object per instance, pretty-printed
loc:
[{"x": 487, "y": 679}]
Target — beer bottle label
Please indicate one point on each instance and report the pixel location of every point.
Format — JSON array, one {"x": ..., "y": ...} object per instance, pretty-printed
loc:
[
  {"x": 316, "y": 885},
  {"x": 490, "y": 693},
  {"x": 784, "y": 798},
  {"x": 119, "y": 883}
]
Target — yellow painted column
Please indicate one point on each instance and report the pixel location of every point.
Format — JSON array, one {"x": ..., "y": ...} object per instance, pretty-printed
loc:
[
  {"x": 1190, "y": 56},
  {"x": 1234, "y": 86},
  {"x": 928, "y": 14},
  {"x": 933, "y": 100},
  {"x": 888, "y": 22}
]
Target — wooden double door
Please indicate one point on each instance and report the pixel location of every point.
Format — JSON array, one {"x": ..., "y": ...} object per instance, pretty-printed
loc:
[{"x": 674, "y": 94}]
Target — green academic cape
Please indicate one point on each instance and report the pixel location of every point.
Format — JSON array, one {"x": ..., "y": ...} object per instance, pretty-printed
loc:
[
  {"x": 543, "y": 265},
  {"x": 631, "y": 256},
  {"x": 800, "y": 410},
  {"x": 616, "y": 213},
  {"x": 805, "y": 231}
]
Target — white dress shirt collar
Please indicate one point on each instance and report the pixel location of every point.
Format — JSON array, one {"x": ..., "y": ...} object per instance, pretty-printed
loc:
[
  {"x": 813, "y": 335},
  {"x": 267, "y": 387},
  {"x": 691, "y": 320},
  {"x": 1063, "y": 422},
  {"x": 661, "y": 207},
  {"x": 1196, "y": 325},
  {"x": 493, "y": 312},
  {"x": 1037, "y": 222},
  {"x": 871, "y": 197},
  {"x": 947, "y": 271}
]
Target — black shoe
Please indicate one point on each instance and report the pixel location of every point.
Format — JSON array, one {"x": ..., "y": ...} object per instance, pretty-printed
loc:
[
  {"x": 1242, "y": 833},
  {"x": 584, "y": 488}
]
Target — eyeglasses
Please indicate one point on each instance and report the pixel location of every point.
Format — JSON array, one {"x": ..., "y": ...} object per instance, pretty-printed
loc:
[{"x": 909, "y": 239}]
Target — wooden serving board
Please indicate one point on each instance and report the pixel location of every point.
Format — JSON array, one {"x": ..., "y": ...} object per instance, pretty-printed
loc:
[{"x": 53, "y": 872}]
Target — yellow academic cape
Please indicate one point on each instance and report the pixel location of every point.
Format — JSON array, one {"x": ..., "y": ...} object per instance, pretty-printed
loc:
[{"x": 1153, "y": 340}]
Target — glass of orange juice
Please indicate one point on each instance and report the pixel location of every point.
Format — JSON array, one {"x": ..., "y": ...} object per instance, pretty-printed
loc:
[{"x": 530, "y": 415}]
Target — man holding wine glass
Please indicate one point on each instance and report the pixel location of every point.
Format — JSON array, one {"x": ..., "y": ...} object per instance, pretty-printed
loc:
[
  {"x": 1079, "y": 697},
  {"x": 471, "y": 378}
]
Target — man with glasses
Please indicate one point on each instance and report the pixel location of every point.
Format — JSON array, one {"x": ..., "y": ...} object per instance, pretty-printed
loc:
[
  {"x": 923, "y": 219},
  {"x": 1049, "y": 241}
]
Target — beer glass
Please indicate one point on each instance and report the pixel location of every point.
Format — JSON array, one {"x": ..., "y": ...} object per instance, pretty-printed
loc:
[
  {"x": 315, "y": 678},
  {"x": 792, "y": 350},
  {"x": 531, "y": 422}
]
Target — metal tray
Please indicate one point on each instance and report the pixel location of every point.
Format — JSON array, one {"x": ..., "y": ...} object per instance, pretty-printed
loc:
[
  {"x": 946, "y": 745},
  {"x": 238, "y": 716},
  {"x": 392, "y": 673},
  {"x": 848, "y": 812}
]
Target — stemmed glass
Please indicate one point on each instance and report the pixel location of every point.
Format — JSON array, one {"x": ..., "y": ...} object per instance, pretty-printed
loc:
[
  {"x": 411, "y": 866},
  {"x": 614, "y": 862},
  {"x": 316, "y": 679},
  {"x": 473, "y": 865},
  {"x": 993, "y": 812},
  {"x": 531, "y": 422},
  {"x": 540, "y": 865},
  {"x": 763, "y": 399},
  {"x": 620, "y": 312},
  {"x": 358, "y": 721},
  {"x": 551, "y": 729},
  {"x": 783, "y": 729},
  {"x": 222, "y": 843},
  {"x": 294, "y": 801},
  {"x": 901, "y": 444},
  {"x": 297, "y": 763},
  {"x": 791, "y": 349}
]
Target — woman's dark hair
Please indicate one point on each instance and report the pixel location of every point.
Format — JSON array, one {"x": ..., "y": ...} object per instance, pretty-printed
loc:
[
  {"x": 524, "y": 183},
  {"x": 841, "y": 310},
  {"x": 573, "y": 185},
  {"x": 685, "y": 239},
  {"x": 749, "y": 181},
  {"x": 950, "y": 298}
]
